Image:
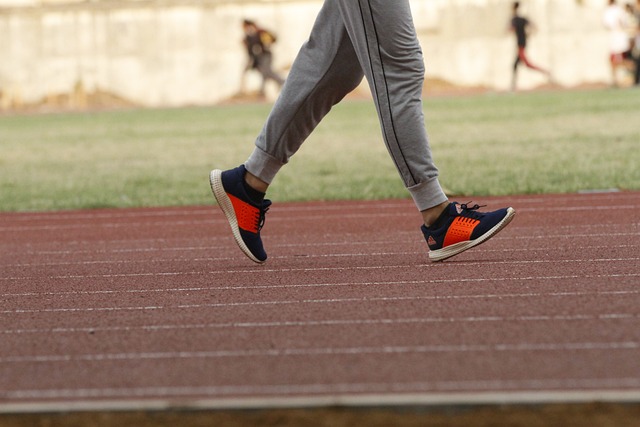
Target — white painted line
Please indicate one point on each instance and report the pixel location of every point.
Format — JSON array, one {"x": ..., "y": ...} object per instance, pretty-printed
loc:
[
  {"x": 435, "y": 394},
  {"x": 624, "y": 293},
  {"x": 324, "y": 216},
  {"x": 555, "y": 248},
  {"x": 92, "y": 215},
  {"x": 324, "y": 351},
  {"x": 261, "y": 270},
  {"x": 329, "y": 322},
  {"x": 321, "y": 285}
]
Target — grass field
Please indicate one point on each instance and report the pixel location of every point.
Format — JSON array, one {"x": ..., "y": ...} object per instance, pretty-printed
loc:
[{"x": 489, "y": 144}]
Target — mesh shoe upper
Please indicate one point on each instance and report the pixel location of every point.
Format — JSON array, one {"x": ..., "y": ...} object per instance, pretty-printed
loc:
[
  {"x": 248, "y": 215},
  {"x": 460, "y": 223}
]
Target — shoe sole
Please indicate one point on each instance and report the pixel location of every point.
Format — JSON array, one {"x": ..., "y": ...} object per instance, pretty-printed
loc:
[
  {"x": 215, "y": 179},
  {"x": 455, "y": 249}
]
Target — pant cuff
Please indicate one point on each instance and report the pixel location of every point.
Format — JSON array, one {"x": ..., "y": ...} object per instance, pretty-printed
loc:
[
  {"x": 427, "y": 194},
  {"x": 262, "y": 165}
]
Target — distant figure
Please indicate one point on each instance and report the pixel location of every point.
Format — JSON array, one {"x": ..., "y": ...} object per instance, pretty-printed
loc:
[
  {"x": 615, "y": 21},
  {"x": 257, "y": 42},
  {"x": 636, "y": 43},
  {"x": 521, "y": 27}
]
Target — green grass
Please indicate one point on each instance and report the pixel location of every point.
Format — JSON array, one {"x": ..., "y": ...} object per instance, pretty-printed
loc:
[{"x": 494, "y": 144}]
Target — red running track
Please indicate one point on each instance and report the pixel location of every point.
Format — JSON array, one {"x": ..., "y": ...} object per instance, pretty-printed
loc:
[{"x": 158, "y": 307}]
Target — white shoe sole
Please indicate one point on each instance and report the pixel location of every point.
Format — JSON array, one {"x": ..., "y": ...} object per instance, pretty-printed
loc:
[
  {"x": 215, "y": 179},
  {"x": 456, "y": 248}
]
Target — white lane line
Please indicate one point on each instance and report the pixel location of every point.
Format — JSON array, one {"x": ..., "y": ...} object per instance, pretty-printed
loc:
[
  {"x": 396, "y": 237},
  {"x": 208, "y": 247},
  {"x": 552, "y": 237},
  {"x": 92, "y": 215},
  {"x": 205, "y": 210},
  {"x": 402, "y": 236},
  {"x": 306, "y": 256},
  {"x": 325, "y": 216},
  {"x": 261, "y": 270},
  {"x": 213, "y": 220},
  {"x": 208, "y": 259},
  {"x": 110, "y": 225},
  {"x": 565, "y": 388},
  {"x": 584, "y": 201},
  {"x": 319, "y": 285},
  {"x": 557, "y": 238},
  {"x": 331, "y": 322},
  {"x": 324, "y": 351},
  {"x": 624, "y": 293},
  {"x": 357, "y": 395}
]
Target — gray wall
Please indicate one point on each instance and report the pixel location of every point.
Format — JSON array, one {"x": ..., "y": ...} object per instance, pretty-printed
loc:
[{"x": 179, "y": 52}]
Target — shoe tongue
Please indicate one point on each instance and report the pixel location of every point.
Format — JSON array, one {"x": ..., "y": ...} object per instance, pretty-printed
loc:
[
  {"x": 266, "y": 203},
  {"x": 455, "y": 209}
]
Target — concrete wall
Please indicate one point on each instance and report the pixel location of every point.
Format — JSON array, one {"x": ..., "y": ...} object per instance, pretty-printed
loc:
[
  {"x": 466, "y": 41},
  {"x": 180, "y": 52}
]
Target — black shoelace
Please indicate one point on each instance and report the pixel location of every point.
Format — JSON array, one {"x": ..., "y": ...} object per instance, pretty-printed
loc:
[
  {"x": 263, "y": 211},
  {"x": 469, "y": 211}
]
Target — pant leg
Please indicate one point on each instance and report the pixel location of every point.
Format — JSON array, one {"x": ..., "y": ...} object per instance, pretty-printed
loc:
[
  {"x": 522, "y": 55},
  {"x": 350, "y": 37},
  {"x": 325, "y": 70},
  {"x": 265, "y": 68},
  {"x": 387, "y": 46}
]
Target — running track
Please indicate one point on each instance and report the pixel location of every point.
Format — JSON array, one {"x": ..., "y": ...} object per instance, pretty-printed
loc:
[{"x": 150, "y": 308}]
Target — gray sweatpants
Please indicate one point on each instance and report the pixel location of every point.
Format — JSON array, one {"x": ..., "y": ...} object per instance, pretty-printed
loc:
[{"x": 351, "y": 39}]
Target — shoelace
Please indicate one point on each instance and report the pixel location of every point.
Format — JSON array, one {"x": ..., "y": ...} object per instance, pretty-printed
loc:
[
  {"x": 469, "y": 211},
  {"x": 263, "y": 211}
]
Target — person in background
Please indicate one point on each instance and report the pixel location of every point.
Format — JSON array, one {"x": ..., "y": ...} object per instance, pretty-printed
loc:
[
  {"x": 258, "y": 42},
  {"x": 615, "y": 21},
  {"x": 522, "y": 27},
  {"x": 636, "y": 42}
]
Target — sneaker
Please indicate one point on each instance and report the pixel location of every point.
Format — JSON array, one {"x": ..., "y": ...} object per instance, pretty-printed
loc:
[
  {"x": 461, "y": 227},
  {"x": 245, "y": 216}
]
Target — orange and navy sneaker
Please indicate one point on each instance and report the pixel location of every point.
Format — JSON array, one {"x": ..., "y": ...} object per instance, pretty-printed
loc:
[
  {"x": 244, "y": 213},
  {"x": 461, "y": 227}
]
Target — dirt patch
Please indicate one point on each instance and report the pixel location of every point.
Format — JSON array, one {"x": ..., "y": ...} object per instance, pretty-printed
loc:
[
  {"x": 565, "y": 415},
  {"x": 82, "y": 100},
  {"x": 77, "y": 100}
]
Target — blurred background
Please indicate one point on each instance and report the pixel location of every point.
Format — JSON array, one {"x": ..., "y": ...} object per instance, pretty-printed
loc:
[{"x": 88, "y": 53}]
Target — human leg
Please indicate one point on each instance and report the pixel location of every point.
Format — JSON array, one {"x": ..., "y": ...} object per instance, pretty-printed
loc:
[
  {"x": 380, "y": 34},
  {"x": 522, "y": 55},
  {"x": 616, "y": 60},
  {"x": 324, "y": 71},
  {"x": 514, "y": 74},
  {"x": 266, "y": 70},
  {"x": 387, "y": 47},
  {"x": 387, "y": 50}
]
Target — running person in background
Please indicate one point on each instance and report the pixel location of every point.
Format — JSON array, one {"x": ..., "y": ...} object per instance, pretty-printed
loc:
[
  {"x": 257, "y": 42},
  {"x": 636, "y": 43},
  {"x": 521, "y": 27},
  {"x": 614, "y": 20},
  {"x": 352, "y": 39}
]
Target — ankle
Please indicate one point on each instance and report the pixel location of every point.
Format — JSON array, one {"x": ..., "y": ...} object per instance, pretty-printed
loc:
[
  {"x": 430, "y": 216},
  {"x": 255, "y": 182}
]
